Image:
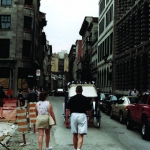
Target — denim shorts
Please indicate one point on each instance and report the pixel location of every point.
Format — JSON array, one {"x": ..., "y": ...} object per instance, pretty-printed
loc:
[{"x": 79, "y": 123}]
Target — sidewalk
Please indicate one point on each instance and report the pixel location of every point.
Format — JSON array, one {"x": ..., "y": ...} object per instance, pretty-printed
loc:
[{"x": 16, "y": 140}]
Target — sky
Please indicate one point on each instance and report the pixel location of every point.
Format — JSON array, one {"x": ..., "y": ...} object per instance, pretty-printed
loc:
[{"x": 64, "y": 21}]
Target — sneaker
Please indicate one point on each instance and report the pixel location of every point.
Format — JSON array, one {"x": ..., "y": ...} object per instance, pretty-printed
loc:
[{"x": 49, "y": 148}]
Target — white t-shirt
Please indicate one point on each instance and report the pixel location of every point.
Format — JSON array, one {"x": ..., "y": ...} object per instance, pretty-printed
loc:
[{"x": 42, "y": 107}]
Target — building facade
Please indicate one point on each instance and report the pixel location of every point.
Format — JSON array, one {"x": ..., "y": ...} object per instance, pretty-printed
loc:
[
  {"x": 21, "y": 53},
  {"x": 59, "y": 70},
  {"x": 72, "y": 60},
  {"x": 88, "y": 32},
  {"x": 132, "y": 45},
  {"x": 105, "y": 45},
  {"x": 77, "y": 63}
]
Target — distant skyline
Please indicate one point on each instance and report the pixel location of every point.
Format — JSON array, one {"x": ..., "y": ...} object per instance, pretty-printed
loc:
[{"x": 64, "y": 20}]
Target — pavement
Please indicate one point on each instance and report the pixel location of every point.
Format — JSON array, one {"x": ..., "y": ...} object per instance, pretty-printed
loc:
[
  {"x": 10, "y": 137},
  {"x": 15, "y": 140}
]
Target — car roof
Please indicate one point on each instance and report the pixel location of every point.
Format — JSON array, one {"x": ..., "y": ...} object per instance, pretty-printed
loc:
[{"x": 130, "y": 96}]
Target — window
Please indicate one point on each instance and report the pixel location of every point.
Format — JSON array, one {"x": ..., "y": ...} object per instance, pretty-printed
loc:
[
  {"x": 61, "y": 65},
  {"x": 4, "y": 48},
  {"x": 5, "y": 22},
  {"x": 6, "y": 2},
  {"x": 26, "y": 49},
  {"x": 4, "y": 76},
  {"x": 102, "y": 6},
  {"x": 107, "y": 18},
  {"x": 101, "y": 26},
  {"x": 29, "y": 2},
  {"x": 27, "y": 22},
  {"x": 24, "y": 81}
]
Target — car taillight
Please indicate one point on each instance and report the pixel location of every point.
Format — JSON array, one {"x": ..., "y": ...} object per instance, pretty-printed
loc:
[{"x": 127, "y": 107}]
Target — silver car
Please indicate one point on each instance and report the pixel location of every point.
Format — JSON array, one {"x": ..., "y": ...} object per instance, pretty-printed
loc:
[{"x": 119, "y": 107}]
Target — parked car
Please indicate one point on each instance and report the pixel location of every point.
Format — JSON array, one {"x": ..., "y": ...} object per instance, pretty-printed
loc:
[
  {"x": 103, "y": 97},
  {"x": 119, "y": 107},
  {"x": 106, "y": 104},
  {"x": 59, "y": 92},
  {"x": 139, "y": 113}
]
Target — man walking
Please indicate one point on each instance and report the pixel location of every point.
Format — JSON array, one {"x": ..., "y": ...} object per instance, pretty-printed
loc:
[
  {"x": 31, "y": 97},
  {"x": 77, "y": 106}
]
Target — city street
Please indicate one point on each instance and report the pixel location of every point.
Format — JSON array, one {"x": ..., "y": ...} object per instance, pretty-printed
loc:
[{"x": 111, "y": 136}]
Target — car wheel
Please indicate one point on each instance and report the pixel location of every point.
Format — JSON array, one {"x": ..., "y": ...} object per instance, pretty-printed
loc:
[
  {"x": 111, "y": 114},
  {"x": 121, "y": 119},
  {"x": 129, "y": 122},
  {"x": 107, "y": 110},
  {"x": 145, "y": 130},
  {"x": 98, "y": 118},
  {"x": 103, "y": 109}
]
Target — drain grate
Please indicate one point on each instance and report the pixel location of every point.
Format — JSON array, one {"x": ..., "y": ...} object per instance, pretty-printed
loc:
[
  {"x": 118, "y": 132},
  {"x": 13, "y": 144}
]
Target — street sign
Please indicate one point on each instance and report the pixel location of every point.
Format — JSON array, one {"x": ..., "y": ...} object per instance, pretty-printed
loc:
[{"x": 38, "y": 72}]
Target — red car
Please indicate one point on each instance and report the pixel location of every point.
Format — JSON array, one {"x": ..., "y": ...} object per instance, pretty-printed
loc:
[{"x": 139, "y": 113}]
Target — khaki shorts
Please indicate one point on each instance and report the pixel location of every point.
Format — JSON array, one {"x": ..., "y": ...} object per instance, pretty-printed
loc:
[
  {"x": 79, "y": 123},
  {"x": 42, "y": 121}
]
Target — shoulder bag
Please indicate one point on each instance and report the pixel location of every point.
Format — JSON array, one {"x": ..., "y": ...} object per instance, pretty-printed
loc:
[{"x": 51, "y": 121}]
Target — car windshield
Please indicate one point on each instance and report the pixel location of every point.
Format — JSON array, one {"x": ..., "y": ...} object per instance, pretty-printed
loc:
[
  {"x": 113, "y": 98},
  {"x": 102, "y": 96},
  {"x": 144, "y": 98},
  {"x": 133, "y": 100}
]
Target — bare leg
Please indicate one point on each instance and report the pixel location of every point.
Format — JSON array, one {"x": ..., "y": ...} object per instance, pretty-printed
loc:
[
  {"x": 75, "y": 140},
  {"x": 80, "y": 140},
  {"x": 47, "y": 138},
  {"x": 40, "y": 138}
]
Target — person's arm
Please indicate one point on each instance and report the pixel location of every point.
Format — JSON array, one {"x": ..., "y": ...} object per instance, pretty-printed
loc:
[
  {"x": 67, "y": 113},
  {"x": 67, "y": 116},
  {"x": 52, "y": 112},
  {"x": 89, "y": 111},
  {"x": 90, "y": 116}
]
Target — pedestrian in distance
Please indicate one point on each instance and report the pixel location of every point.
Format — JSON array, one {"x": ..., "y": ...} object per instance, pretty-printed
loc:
[
  {"x": 20, "y": 98},
  {"x": 43, "y": 109},
  {"x": 133, "y": 92},
  {"x": 78, "y": 106},
  {"x": 31, "y": 97},
  {"x": 139, "y": 95},
  {"x": 2, "y": 96},
  {"x": 38, "y": 93}
]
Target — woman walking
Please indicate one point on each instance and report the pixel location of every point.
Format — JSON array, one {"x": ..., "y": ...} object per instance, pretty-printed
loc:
[{"x": 43, "y": 110}]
